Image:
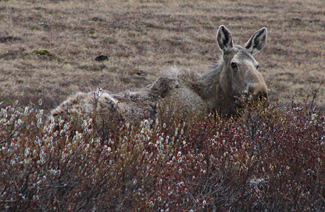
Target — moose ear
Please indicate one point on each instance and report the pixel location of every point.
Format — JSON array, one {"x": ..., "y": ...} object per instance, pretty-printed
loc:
[
  {"x": 224, "y": 39},
  {"x": 257, "y": 41}
]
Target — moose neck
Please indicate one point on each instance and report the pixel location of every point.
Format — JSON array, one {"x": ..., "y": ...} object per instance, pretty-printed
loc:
[
  {"x": 209, "y": 85},
  {"x": 209, "y": 88}
]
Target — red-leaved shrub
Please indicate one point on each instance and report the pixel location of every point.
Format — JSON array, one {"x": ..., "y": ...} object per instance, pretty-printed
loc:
[{"x": 266, "y": 159}]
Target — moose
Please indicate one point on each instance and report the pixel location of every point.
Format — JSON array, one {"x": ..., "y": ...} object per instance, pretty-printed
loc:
[{"x": 220, "y": 88}]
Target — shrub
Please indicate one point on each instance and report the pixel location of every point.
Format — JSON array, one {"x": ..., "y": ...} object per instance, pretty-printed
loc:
[{"x": 266, "y": 159}]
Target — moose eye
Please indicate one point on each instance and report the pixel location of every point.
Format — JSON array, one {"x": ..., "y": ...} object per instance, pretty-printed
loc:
[{"x": 233, "y": 65}]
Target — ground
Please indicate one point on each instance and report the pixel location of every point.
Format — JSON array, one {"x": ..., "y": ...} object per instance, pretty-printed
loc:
[{"x": 48, "y": 48}]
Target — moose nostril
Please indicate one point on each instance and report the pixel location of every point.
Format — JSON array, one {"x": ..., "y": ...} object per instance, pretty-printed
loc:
[
  {"x": 250, "y": 88},
  {"x": 262, "y": 96}
]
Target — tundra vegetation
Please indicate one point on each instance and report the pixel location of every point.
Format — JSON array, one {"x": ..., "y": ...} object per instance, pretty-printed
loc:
[{"x": 270, "y": 158}]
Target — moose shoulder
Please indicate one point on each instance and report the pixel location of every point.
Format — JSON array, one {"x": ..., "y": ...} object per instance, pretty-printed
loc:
[{"x": 234, "y": 76}]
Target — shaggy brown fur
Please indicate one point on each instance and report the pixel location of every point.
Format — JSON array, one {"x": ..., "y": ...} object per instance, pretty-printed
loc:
[{"x": 219, "y": 88}]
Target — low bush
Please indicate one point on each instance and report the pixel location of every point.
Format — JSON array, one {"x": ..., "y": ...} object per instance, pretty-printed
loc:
[{"x": 266, "y": 159}]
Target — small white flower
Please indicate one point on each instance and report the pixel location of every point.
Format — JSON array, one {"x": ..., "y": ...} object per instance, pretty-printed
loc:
[
  {"x": 26, "y": 110},
  {"x": 180, "y": 160},
  {"x": 314, "y": 116}
]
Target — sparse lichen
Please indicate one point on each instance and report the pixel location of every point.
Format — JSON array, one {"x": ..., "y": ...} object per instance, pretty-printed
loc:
[{"x": 42, "y": 52}]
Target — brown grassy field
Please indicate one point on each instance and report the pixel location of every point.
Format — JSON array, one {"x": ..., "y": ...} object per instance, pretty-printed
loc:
[{"x": 142, "y": 38}]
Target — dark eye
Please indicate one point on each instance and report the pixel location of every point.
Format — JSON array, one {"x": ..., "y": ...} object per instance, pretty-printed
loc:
[
  {"x": 257, "y": 67},
  {"x": 233, "y": 65}
]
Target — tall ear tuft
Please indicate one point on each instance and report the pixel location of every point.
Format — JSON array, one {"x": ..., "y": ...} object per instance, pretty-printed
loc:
[
  {"x": 224, "y": 39},
  {"x": 257, "y": 41}
]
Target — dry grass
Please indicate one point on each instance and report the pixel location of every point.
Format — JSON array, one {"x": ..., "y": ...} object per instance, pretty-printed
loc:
[{"x": 145, "y": 37}]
